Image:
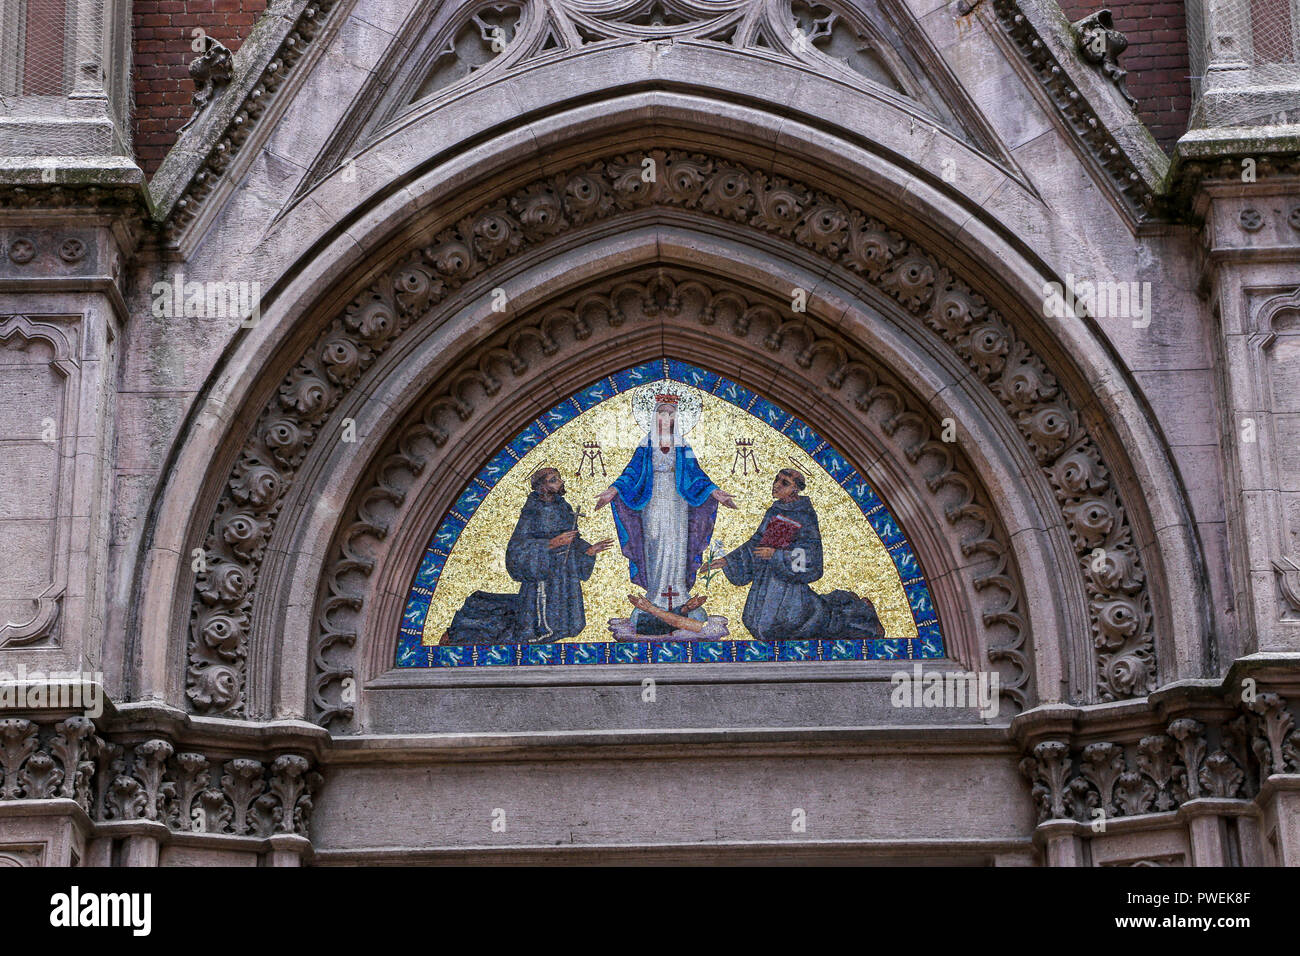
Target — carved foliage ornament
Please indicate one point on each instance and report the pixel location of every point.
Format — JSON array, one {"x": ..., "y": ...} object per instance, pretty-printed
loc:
[
  {"x": 150, "y": 780},
  {"x": 1163, "y": 771},
  {"x": 609, "y": 312},
  {"x": 1051, "y": 426}
]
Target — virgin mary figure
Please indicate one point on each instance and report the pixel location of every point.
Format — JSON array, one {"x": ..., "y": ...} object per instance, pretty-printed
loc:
[{"x": 664, "y": 503}]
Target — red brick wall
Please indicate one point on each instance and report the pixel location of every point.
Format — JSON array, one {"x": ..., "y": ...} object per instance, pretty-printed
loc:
[
  {"x": 162, "y": 53},
  {"x": 1156, "y": 60}
]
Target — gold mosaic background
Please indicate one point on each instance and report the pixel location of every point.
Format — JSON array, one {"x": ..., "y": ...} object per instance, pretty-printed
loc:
[{"x": 855, "y": 559}]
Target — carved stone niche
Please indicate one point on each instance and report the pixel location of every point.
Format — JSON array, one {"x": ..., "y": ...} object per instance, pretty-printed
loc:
[
  {"x": 800, "y": 364},
  {"x": 1262, "y": 365},
  {"x": 1275, "y": 353}
]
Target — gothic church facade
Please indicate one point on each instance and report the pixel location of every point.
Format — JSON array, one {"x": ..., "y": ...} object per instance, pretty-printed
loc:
[{"x": 303, "y": 309}]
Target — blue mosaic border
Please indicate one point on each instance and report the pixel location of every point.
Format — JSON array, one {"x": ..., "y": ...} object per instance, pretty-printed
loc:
[{"x": 411, "y": 652}]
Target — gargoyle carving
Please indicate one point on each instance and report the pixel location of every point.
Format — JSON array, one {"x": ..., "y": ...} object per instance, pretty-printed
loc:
[
  {"x": 1101, "y": 43},
  {"x": 210, "y": 70}
]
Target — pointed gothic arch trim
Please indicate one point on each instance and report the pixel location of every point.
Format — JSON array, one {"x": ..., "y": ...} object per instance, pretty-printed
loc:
[
  {"x": 970, "y": 556},
  {"x": 1056, "y": 432}
]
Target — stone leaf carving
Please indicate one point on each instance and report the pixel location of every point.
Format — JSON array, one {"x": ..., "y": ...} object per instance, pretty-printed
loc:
[
  {"x": 36, "y": 766},
  {"x": 150, "y": 780},
  {"x": 1164, "y": 771},
  {"x": 1050, "y": 425}
]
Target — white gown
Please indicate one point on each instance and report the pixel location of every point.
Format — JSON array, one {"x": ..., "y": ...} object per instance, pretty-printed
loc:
[{"x": 664, "y": 524}]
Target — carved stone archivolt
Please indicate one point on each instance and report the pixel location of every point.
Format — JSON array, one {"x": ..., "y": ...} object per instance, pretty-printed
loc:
[
  {"x": 612, "y": 312},
  {"x": 917, "y": 282},
  {"x": 1228, "y": 755},
  {"x": 156, "y": 779}
]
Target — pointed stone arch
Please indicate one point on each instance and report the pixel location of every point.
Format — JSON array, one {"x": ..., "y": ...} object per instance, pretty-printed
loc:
[{"x": 846, "y": 251}]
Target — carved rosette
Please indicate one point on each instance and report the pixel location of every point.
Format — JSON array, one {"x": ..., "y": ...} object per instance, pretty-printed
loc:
[
  {"x": 1048, "y": 421},
  {"x": 1161, "y": 772},
  {"x": 149, "y": 780}
]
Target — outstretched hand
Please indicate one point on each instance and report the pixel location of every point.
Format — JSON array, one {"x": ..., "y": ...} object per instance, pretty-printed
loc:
[
  {"x": 599, "y": 546},
  {"x": 605, "y": 497},
  {"x": 724, "y": 499}
]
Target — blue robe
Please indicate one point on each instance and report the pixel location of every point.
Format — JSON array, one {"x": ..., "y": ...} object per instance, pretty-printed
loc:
[
  {"x": 781, "y": 604},
  {"x": 634, "y": 487}
]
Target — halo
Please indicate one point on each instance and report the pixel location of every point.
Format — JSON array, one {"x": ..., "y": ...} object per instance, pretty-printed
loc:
[{"x": 689, "y": 404}]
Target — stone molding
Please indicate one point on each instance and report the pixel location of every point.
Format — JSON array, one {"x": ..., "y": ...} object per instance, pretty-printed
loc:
[
  {"x": 612, "y": 311},
  {"x": 902, "y": 271},
  {"x": 130, "y": 776},
  {"x": 880, "y": 51},
  {"x": 1138, "y": 191},
  {"x": 179, "y": 192}
]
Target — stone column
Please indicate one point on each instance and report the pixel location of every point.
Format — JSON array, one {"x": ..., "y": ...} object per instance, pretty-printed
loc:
[
  {"x": 1252, "y": 273},
  {"x": 1062, "y": 845},
  {"x": 61, "y": 317}
]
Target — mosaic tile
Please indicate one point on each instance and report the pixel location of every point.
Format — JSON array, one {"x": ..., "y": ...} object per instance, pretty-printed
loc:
[{"x": 420, "y": 630}]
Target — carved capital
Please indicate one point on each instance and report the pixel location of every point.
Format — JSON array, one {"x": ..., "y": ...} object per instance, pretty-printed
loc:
[{"x": 151, "y": 780}]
